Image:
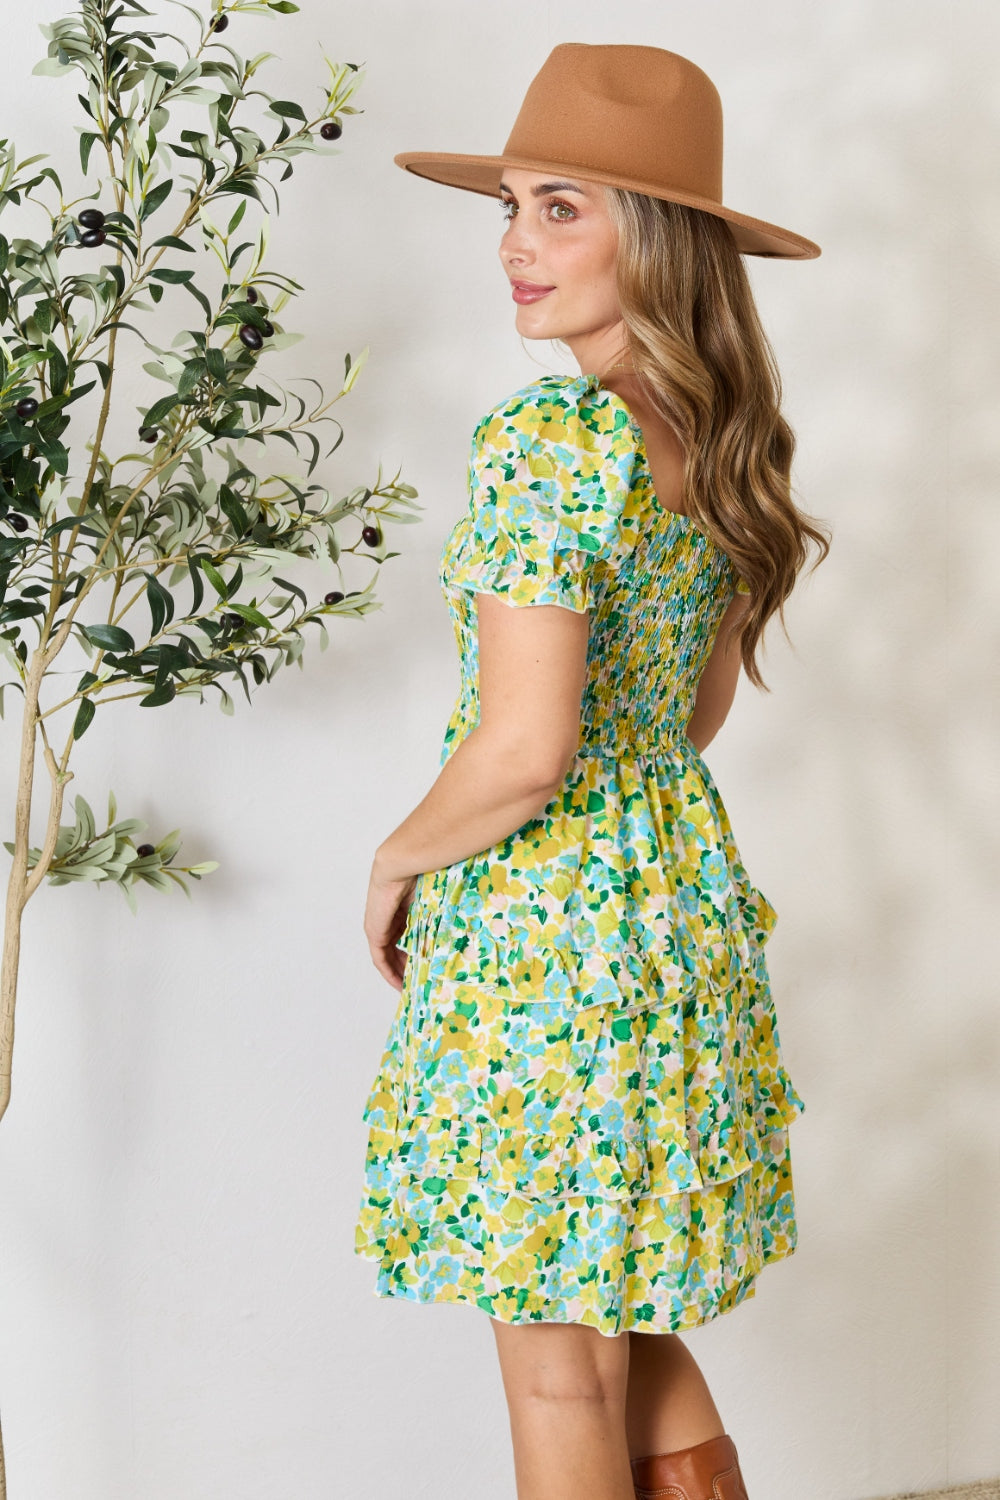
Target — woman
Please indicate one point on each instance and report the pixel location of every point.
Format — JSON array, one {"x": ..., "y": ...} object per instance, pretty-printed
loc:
[{"x": 579, "y": 1123}]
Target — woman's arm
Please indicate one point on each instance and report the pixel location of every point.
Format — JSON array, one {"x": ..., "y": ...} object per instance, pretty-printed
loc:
[
  {"x": 532, "y": 672},
  {"x": 717, "y": 684}
]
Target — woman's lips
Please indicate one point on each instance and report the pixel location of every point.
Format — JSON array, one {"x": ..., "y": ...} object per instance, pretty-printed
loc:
[{"x": 529, "y": 291}]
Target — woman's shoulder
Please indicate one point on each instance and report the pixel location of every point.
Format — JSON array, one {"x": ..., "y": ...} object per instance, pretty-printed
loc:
[
  {"x": 550, "y": 482},
  {"x": 571, "y": 411}
]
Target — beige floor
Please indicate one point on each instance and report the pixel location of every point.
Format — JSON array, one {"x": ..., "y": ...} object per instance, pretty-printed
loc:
[{"x": 989, "y": 1489}]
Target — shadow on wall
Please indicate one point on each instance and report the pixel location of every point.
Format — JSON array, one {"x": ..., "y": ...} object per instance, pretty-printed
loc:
[
  {"x": 895, "y": 769},
  {"x": 909, "y": 1031}
]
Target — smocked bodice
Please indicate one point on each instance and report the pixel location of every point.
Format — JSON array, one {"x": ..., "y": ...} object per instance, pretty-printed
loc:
[{"x": 656, "y": 599}]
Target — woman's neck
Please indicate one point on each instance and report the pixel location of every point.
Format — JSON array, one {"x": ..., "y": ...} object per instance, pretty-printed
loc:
[{"x": 595, "y": 352}]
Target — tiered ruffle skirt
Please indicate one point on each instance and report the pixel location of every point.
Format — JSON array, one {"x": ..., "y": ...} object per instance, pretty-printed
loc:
[{"x": 581, "y": 1112}]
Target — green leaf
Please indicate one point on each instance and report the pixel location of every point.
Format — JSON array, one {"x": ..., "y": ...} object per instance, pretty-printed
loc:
[
  {"x": 240, "y": 186},
  {"x": 174, "y": 659},
  {"x": 56, "y": 456},
  {"x": 193, "y": 373},
  {"x": 215, "y": 362},
  {"x": 85, "y": 817},
  {"x": 169, "y": 845},
  {"x": 234, "y": 510},
  {"x": 253, "y": 616},
  {"x": 215, "y": 578},
  {"x": 162, "y": 694},
  {"x": 109, "y": 637},
  {"x": 197, "y": 583},
  {"x": 288, "y": 109},
  {"x": 160, "y": 409},
  {"x": 173, "y": 243},
  {"x": 170, "y": 274},
  {"x": 161, "y": 603},
  {"x": 292, "y": 588},
  {"x": 84, "y": 716},
  {"x": 51, "y": 67},
  {"x": 58, "y": 372},
  {"x": 200, "y": 298},
  {"x": 153, "y": 199},
  {"x": 20, "y": 610},
  {"x": 64, "y": 525},
  {"x": 87, "y": 141}
]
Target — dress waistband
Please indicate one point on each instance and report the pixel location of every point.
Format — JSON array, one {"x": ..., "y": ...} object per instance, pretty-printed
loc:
[{"x": 663, "y": 749}]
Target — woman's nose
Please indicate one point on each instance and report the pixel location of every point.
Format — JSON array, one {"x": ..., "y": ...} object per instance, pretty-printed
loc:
[{"x": 515, "y": 247}]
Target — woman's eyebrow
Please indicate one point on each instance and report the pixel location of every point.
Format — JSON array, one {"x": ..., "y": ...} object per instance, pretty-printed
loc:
[{"x": 542, "y": 188}]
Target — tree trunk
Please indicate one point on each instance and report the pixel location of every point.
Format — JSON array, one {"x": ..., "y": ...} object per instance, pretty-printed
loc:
[{"x": 16, "y": 893}]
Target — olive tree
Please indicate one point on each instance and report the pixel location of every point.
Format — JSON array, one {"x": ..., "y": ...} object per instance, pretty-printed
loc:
[{"x": 155, "y": 573}]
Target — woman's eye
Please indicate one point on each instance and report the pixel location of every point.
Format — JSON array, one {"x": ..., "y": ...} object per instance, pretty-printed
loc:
[
  {"x": 508, "y": 208},
  {"x": 563, "y": 211}
]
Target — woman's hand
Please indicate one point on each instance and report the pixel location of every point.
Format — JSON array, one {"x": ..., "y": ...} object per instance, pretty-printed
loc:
[{"x": 386, "y": 907}]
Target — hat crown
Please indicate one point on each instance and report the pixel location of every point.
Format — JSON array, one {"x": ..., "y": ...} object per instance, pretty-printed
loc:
[{"x": 636, "y": 111}]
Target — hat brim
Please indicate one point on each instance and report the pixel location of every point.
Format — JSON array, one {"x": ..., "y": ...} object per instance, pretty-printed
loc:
[{"x": 482, "y": 174}]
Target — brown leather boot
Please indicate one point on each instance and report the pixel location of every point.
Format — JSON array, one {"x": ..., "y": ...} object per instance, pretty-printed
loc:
[{"x": 709, "y": 1471}]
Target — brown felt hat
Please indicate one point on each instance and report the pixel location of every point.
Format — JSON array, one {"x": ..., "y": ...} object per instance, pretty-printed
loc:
[{"x": 635, "y": 117}]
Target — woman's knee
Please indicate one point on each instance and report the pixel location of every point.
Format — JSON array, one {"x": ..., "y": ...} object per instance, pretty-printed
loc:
[{"x": 561, "y": 1362}]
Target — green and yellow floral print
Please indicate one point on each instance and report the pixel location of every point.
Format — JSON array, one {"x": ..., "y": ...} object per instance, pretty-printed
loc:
[{"x": 581, "y": 1113}]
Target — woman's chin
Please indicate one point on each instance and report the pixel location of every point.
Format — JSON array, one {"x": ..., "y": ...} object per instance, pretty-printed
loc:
[{"x": 533, "y": 323}]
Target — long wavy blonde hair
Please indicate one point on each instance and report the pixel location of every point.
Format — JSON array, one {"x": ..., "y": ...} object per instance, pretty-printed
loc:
[{"x": 697, "y": 344}]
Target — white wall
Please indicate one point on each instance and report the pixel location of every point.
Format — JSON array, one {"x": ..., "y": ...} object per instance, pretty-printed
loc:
[{"x": 181, "y": 1312}]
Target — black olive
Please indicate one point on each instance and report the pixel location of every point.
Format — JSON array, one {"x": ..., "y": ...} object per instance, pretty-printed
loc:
[
  {"x": 148, "y": 434},
  {"x": 331, "y": 130},
  {"x": 251, "y": 336},
  {"x": 19, "y": 522},
  {"x": 93, "y": 237},
  {"x": 371, "y": 536},
  {"x": 333, "y": 597},
  {"x": 90, "y": 218},
  {"x": 219, "y": 23},
  {"x": 230, "y": 618},
  {"x": 268, "y": 328},
  {"x": 251, "y": 294},
  {"x": 26, "y": 407},
  {"x": 145, "y": 850}
]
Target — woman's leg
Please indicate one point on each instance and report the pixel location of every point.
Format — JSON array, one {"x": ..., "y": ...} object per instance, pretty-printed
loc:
[
  {"x": 668, "y": 1404},
  {"x": 565, "y": 1385}
]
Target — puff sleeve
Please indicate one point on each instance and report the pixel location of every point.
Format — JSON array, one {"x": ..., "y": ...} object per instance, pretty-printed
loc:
[{"x": 549, "y": 478}]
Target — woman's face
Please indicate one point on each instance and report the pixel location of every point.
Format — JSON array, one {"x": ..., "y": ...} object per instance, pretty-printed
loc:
[{"x": 558, "y": 250}]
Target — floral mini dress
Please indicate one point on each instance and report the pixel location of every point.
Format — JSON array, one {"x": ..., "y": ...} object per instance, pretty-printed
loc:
[{"x": 581, "y": 1112}]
